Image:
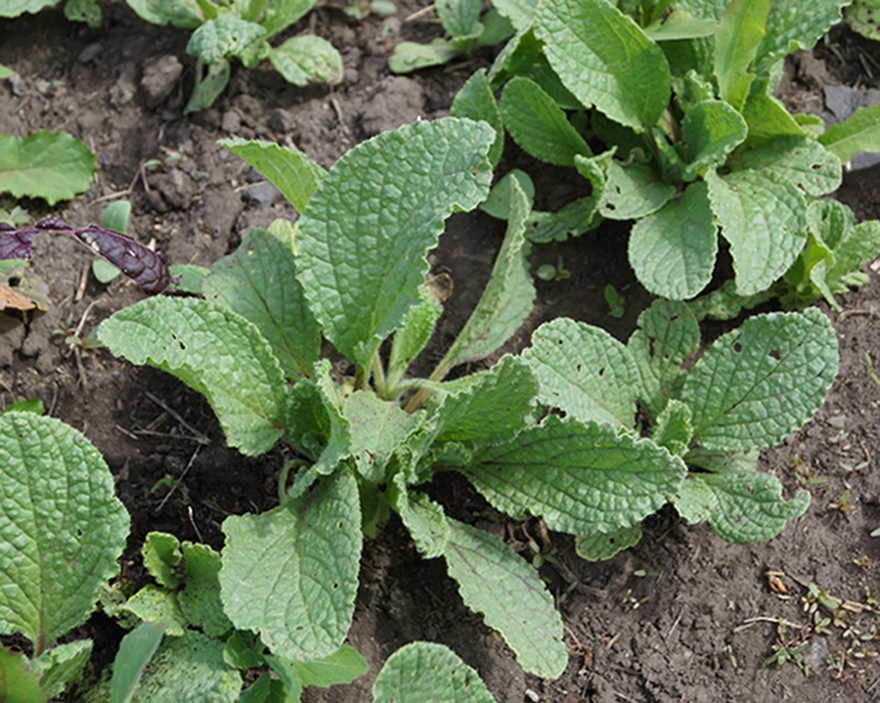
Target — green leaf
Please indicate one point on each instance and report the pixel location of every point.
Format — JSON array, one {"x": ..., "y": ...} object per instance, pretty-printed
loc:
[
  {"x": 489, "y": 406},
  {"x": 18, "y": 684},
  {"x": 681, "y": 25},
  {"x": 181, "y": 13},
  {"x": 673, "y": 428},
  {"x": 861, "y": 132},
  {"x": 188, "y": 669},
  {"x": 61, "y": 528},
  {"x": 425, "y": 520},
  {"x": 496, "y": 581},
  {"x": 87, "y": 11},
  {"x": 135, "y": 652},
  {"x": 759, "y": 383},
  {"x": 863, "y": 17},
  {"x": 61, "y": 666},
  {"x": 378, "y": 211},
  {"x": 793, "y": 25},
  {"x": 695, "y": 500},
  {"x": 161, "y": 555},
  {"x": 211, "y": 80},
  {"x": 668, "y": 332},
  {"x": 606, "y": 60},
  {"x": 859, "y": 245},
  {"x": 14, "y": 8},
  {"x": 711, "y": 129},
  {"x": 409, "y": 56},
  {"x": 673, "y": 251},
  {"x": 475, "y": 101},
  {"x": 378, "y": 428},
  {"x": 200, "y": 597},
  {"x": 342, "y": 666},
  {"x": 768, "y": 118},
  {"x": 215, "y": 352},
  {"x": 280, "y": 577},
  {"x": 316, "y": 424},
  {"x": 582, "y": 478},
  {"x": 538, "y": 124},
  {"x": 519, "y": 12},
  {"x": 259, "y": 282},
  {"x": 460, "y": 18},
  {"x": 799, "y": 161},
  {"x": 49, "y": 166},
  {"x": 719, "y": 461},
  {"x": 507, "y": 300},
  {"x": 633, "y": 190},
  {"x": 220, "y": 38},
  {"x": 426, "y": 671},
  {"x": 191, "y": 278},
  {"x": 411, "y": 338},
  {"x": 600, "y": 546},
  {"x": 584, "y": 371},
  {"x": 242, "y": 650},
  {"x": 30, "y": 405},
  {"x": 750, "y": 505},
  {"x": 153, "y": 604},
  {"x": 763, "y": 220},
  {"x": 5, "y": 72},
  {"x": 736, "y": 44},
  {"x": 288, "y": 675},
  {"x": 498, "y": 203},
  {"x": 308, "y": 59},
  {"x": 575, "y": 219},
  {"x": 280, "y": 14},
  {"x": 289, "y": 169},
  {"x": 116, "y": 218}
]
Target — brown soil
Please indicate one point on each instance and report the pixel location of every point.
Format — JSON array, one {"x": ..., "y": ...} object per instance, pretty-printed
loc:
[{"x": 684, "y": 616}]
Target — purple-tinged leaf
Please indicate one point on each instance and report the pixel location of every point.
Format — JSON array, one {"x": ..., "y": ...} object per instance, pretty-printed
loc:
[
  {"x": 15, "y": 244},
  {"x": 147, "y": 268}
]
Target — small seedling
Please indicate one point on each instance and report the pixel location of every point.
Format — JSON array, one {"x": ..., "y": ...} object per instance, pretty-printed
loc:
[
  {"x": 615, "y": 301},
  {"x": 549, "y": 272},
  {"x": 789, "y": 649}
]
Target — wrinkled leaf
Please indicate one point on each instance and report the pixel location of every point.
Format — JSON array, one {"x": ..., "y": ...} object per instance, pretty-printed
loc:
[
  {"x": 582, "y": 478},
  {"x": 599, "y": 546},
  {"x": 632, "y": 191},
  {"x": 18, "y": 684},
  {"x": 740, "y": 32},
  {"x": 259, "y": 282},
  {"x": 861, "y": 132},
  {"x": 409, "y": 56},
  {"x": 475, "y": 101},
  {"x": 424, "y": 671},
  {"x": 61, "y": 666},
  {"x": 308, "y": 59},
  {"x": 584, "y": 371},
  {"x": 496, "y": 581},
  {"x": 62, "y": 527},
  {"x": 215, "y": 352},
  {"x": 135, "y": 651},
  {"x": 377, "y": 212},
  {"x": 222, "y": 37},
  {"x": 759, "y": 383},
  {"x": 628, "y": 75},
  {"x": 291, "y": 572}
]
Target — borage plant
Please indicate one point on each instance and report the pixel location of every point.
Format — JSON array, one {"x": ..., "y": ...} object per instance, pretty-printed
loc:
[
  {"x": 353, "y": 270},
  {"x": 667, "y": 112},
  {"x": 242, "y": 29}
]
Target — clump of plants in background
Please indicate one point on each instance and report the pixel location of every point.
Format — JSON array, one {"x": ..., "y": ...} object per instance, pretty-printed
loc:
[
  {"x": 242, "y": 29},
  {"x": 668, "y": 115},
  {"x": 88, "y": 11},
  {"x": 468, "y": 31}
]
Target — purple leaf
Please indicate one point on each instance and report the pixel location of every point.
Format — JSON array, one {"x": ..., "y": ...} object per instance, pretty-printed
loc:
[
  {"x": 147, "y": 268},
  {"x": 15, "y": 244}
]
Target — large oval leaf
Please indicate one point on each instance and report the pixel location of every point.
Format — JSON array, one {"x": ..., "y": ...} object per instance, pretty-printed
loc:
[{"x": 368, "y": 228}]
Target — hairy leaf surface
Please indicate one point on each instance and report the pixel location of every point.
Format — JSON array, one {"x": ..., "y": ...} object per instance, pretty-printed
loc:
[
  {"x": 496, "y": 581},
  {"x": 308, "y": 58},
  {"x": 426, "y": 671},
  {"x": 673, "y": 251},
  {"x": 259, "y": 282},
  {"x": 215, "y": 352},
  {"x": 582, "y": 478},
  {"x": 584, "y": 371},
  {"x": 291, "y": 572},
  {"x": 375, "y": 215},
  {"x": 61, "y": 527},
  {"x": 605, "y": 59},
  {"x": 759, "y": 383}
]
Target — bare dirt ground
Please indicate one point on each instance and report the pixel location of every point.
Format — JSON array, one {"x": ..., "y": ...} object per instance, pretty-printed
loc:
[{"x": 683, "y": 616}]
